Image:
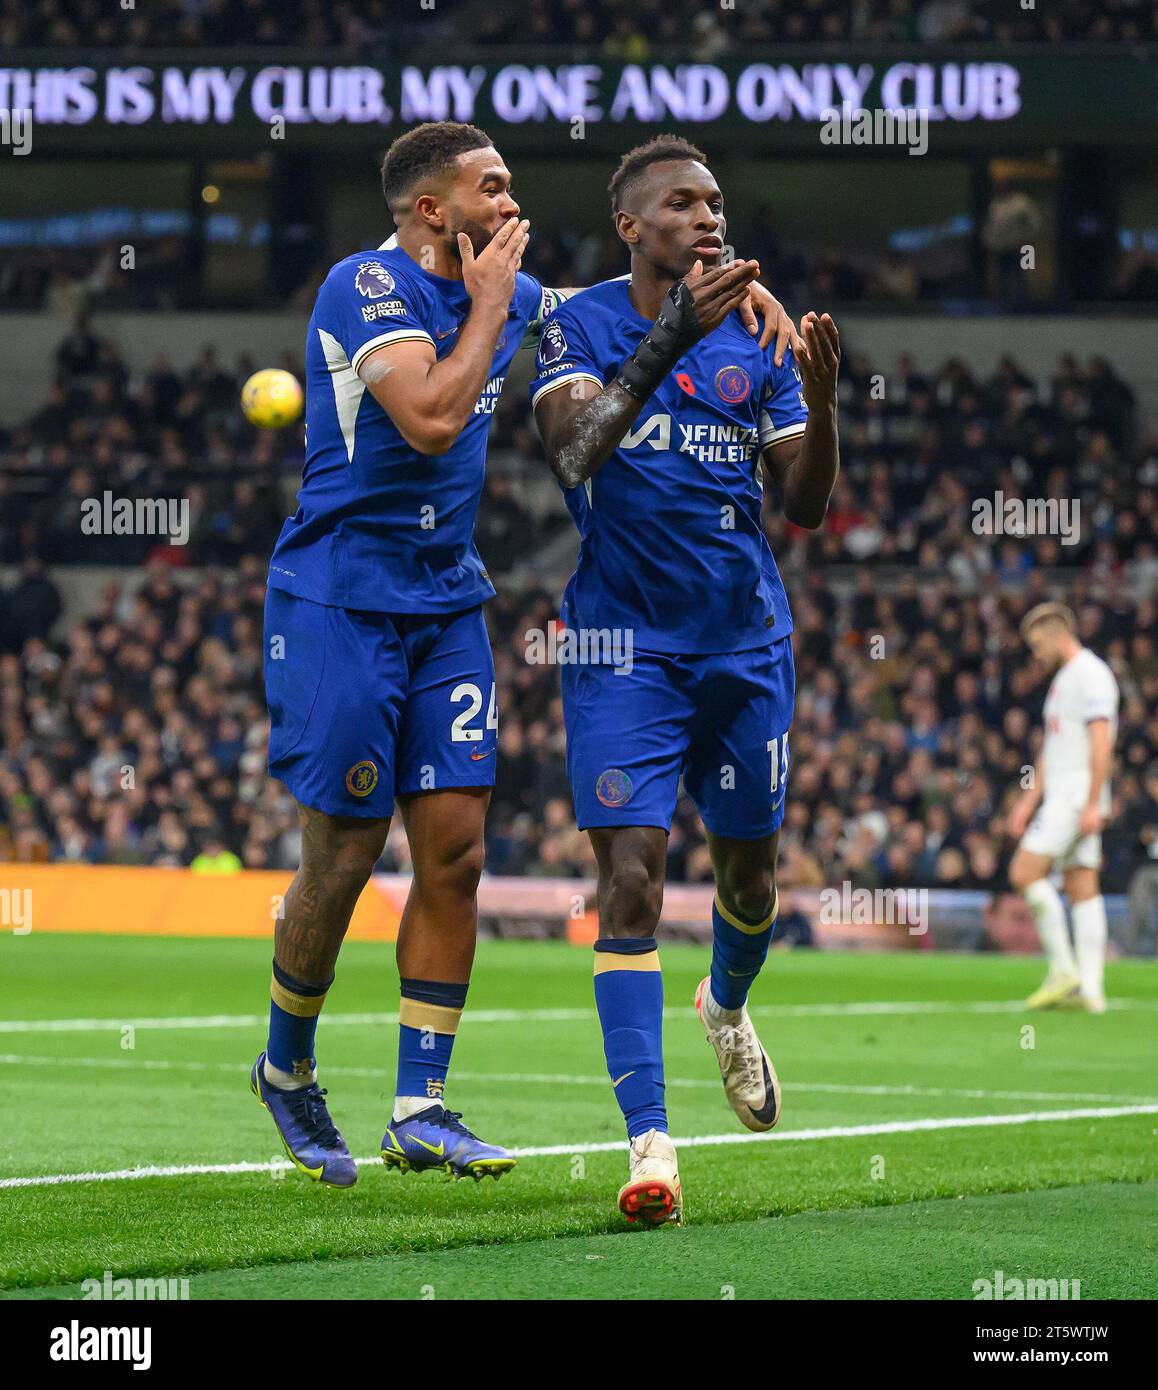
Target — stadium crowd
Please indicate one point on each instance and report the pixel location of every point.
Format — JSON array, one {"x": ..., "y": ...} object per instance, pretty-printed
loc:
[
  {"x": 166, "y": 434},
  {"x": 636, "y": 29},
  {"x": 920, "y": 451},
  {"x": 629, "y": 29},
  {"x": 309, "y": 24},
  {"x": 65, "y": 279},
  {"x": 885, "y": 268},
  {"x": 137, "y": 734}
]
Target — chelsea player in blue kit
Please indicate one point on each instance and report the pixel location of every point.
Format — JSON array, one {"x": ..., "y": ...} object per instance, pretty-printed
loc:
[
  {"x": 379, "y": 675},
  {"x": 658, "y": 413}
]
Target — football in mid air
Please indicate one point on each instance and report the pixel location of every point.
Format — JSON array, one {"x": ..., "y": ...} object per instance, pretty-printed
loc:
[{"x": 272, "y": 398}]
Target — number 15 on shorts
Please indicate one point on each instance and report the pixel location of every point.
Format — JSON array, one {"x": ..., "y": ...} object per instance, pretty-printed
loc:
[{"x": 778, "y": 751}]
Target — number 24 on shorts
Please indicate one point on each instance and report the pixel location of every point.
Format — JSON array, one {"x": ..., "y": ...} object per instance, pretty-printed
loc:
[{"x": 471, "y": 696}]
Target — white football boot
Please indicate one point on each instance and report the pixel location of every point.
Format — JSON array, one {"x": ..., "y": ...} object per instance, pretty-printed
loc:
[
  {"x": 1057, "y": 991},
  {"x": 750, "y": 1080},
  {"x": 652, "y": 1195}
]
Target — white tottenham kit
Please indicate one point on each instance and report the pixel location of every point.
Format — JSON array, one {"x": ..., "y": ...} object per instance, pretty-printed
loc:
[{"x": 1084, "y": 689}]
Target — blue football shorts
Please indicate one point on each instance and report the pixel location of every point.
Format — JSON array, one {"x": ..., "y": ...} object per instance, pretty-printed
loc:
[
  {"x": 368, "y": 706},
  {"x": 720, "y": 720}
]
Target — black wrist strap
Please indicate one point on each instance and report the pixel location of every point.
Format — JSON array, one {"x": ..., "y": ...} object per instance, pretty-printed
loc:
[{"x": 670, "y": 336}]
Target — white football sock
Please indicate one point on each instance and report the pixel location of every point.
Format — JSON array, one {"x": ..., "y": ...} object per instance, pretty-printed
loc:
[
  {"x": 715, "y": 1013},
  {"x": 1050, "y": 916},
  {"x": 287, "y": 1080},
  {"x": 1090, "y": 940},
  {"x": 405, "y": 1106}
]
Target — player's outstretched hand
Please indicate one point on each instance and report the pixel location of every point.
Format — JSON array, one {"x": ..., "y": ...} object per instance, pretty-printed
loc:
[
  {"x": 716, "y": 293},
  {"x": 819, "y": 360},
  {"x": 490, "y": 277},
  {"x": 777, "y": 322}
]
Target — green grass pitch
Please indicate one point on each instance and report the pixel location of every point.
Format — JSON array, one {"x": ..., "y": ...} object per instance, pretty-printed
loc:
[{"x": 890, "y": 1188}]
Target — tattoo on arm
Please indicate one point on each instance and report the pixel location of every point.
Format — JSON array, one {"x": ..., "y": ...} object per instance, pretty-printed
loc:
[{"x": 584, "y": 441}]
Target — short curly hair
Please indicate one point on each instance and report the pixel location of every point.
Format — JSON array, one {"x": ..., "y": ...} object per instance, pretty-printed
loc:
[
  {"x": 634, "y": 162},
  {"x": 425, "y": 152}
]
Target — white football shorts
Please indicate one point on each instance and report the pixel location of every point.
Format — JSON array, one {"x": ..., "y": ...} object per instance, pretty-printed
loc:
[{"x": 1054, "y": 833}]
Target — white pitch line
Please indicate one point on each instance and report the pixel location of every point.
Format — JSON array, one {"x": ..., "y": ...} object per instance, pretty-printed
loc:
[
  {"x": 857, "y": 1131},
  {"x": 129, "y": 1064},
  {"x": 828, "y": 1087},
  {"x": 863, "y": 1008},
  {"x": 803, "y": 1087},
  {"x": 617, "y": 1146},
  {"x": 210, "y": 1021}
]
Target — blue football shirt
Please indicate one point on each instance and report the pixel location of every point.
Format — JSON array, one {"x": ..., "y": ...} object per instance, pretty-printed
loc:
[
  {"x": 380, "y": 526},
  {"x": 671, "y": 545}
]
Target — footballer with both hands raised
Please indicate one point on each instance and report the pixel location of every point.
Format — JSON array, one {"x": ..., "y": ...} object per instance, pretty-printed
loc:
[
  {"x": 379, "y": 675},
  {"x": 658, "y": 412}
]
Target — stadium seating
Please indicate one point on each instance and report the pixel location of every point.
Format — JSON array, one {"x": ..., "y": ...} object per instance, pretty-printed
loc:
[{"x": 904, "y": 763}]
